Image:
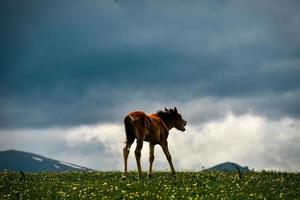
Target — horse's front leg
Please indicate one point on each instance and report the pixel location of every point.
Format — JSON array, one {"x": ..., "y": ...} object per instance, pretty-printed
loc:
[
  {"x": 151, "y": 158},
  {"x": 164, "y": 146},
  {"x": 137, "y": 153}
]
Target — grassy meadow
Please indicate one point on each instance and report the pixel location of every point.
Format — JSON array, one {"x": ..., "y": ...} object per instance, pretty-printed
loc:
[{"x": 187, "y": 185}]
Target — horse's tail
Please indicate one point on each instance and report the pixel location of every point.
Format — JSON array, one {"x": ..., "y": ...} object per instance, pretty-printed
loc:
[{"x": 129, "y": 128}]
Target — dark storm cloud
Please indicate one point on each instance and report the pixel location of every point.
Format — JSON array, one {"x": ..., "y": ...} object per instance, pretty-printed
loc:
[{"x": 75, "y": 62}]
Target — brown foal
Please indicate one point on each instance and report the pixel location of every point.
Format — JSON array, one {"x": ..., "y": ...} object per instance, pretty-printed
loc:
[{"x": 153, "y": 128}]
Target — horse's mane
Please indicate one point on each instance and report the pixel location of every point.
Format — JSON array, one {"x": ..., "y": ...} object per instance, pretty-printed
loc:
[{"x": 165, "y": 115}]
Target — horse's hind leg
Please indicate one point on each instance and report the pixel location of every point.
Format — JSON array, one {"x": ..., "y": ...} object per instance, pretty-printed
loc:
[
  {"x": 137, "y": 153},
  {"x": 126, "y": 150},
  {"x": 130, "y": 137},
  {"x": 151, "y": 159}
]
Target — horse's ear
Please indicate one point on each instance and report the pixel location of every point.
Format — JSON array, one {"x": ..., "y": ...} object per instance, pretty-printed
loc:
[
  {"x": 166, "y": 109},
  {"x": 175, "y": 109}
]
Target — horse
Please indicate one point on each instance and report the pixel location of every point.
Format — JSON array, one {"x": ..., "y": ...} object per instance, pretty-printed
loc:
[{"x": 153, "y": 128}]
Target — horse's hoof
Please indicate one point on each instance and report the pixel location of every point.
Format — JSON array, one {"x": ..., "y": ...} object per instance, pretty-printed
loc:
[{"x": 124, "y": 178}]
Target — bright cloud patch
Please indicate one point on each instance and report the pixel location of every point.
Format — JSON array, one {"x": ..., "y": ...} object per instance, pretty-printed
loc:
[{"x": 247, "y": 139}]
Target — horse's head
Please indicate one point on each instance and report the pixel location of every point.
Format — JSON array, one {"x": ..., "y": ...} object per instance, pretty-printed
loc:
[
  {"x": 173, "y": 119},
  {"x": 178, "y": 122}
]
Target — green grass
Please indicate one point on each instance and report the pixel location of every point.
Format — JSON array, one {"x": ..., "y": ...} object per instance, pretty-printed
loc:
[{"x": 187, "y": 185}]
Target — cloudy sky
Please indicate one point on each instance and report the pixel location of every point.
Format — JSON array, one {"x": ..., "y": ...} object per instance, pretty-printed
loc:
[{"x": 71, "y": 70}]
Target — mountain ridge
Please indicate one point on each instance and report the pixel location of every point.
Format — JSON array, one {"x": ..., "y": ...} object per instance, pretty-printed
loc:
[
  {"x": 16, "y": 160},
  {"x": 229, "y": 167}
]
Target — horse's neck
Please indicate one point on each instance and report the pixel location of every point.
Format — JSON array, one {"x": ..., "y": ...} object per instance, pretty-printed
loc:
[{"x": 168, "y": 125}]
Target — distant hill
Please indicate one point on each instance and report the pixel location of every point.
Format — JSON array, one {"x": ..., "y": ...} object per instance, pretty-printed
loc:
[
  {"x": 30, "y": 162},
  {"x": 229, "y": 167}
]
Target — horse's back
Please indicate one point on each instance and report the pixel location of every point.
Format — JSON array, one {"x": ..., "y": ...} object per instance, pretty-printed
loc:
[
  {"x": 134, "y": 116},
  {"x": 140, "y": 125}
]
